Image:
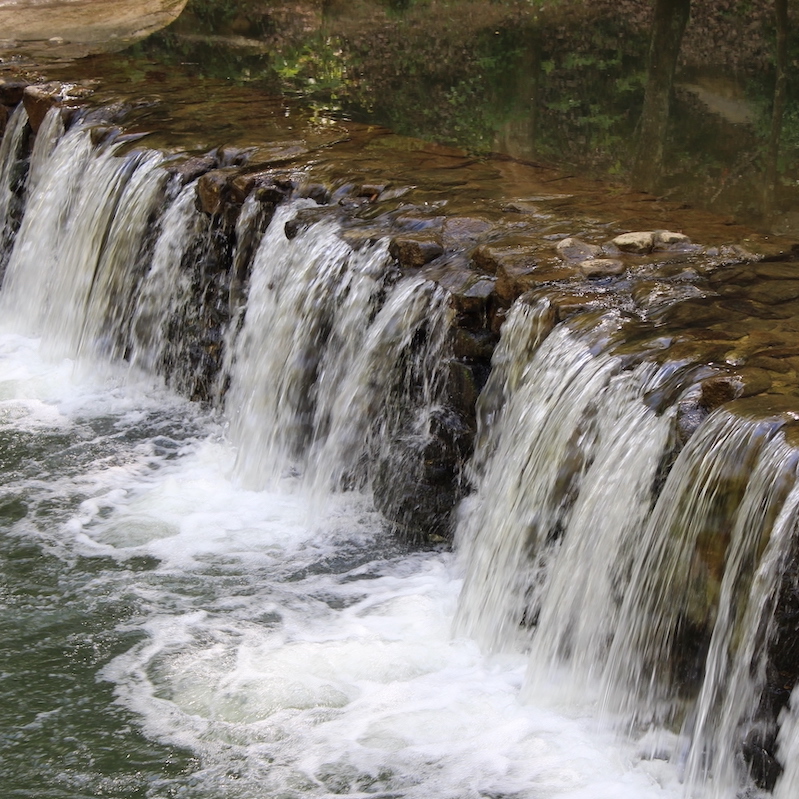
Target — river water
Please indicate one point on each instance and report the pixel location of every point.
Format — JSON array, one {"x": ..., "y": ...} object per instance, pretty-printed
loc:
[
  {"x": 168, "y": 633},
  {"x": 200, "y": 600}
]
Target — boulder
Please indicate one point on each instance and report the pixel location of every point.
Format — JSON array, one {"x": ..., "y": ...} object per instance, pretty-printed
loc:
[
  {"x": 212, "y": 190},
  {"x": 639, "y": 243},
  {"x": 601, "y": 267},
  {"x": 413, "y": 251},
  {"x": 39, "y": 99},
  {"x": 11, "y": 91},
  {"x": 668, "y": 240}
]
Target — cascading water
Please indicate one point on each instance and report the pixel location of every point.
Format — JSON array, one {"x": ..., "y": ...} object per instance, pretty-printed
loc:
[
  {"x": 573, "y": 551},
  {"x": 321, "y": 373},
  {"x": 74, "y": 257},
  {"x": 245, "y": 651},
  {"x": 12, "y": 176}
]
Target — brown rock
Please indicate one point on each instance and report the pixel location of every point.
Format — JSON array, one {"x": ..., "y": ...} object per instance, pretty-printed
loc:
[
  {"x": 11, "y": 91},
  {"x": 39, "y": 99},
  {"x": 412, "y": 251},
  {"x": 601, "y": 267},
  {"x": 576, "y": 250},
  {"x": 212, "y": 190},
  {"x": 716, "y": 391},
  {"x": 640, "y": 243},
  {"x": 4, "y": 114}
]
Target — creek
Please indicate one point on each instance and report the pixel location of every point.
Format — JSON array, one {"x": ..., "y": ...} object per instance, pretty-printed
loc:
[{"x": 330, "y": 469}]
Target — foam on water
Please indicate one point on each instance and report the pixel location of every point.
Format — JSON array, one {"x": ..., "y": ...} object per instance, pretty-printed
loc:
[{"x": 292, "y": 659}]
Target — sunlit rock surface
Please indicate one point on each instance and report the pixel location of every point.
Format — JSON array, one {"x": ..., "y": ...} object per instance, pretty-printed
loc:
[{"x": 72, "y": 28}]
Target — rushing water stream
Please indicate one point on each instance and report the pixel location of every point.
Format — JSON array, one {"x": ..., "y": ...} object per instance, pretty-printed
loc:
[{"x": 204, "y": 602}]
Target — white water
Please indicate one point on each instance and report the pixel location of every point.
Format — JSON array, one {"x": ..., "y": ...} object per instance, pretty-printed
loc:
[
  {"x": 293, "y": 660},
  {"x": 319, "y": 368},
  {"x": 318, "y": 658},
  {"x": 75, "y": 253}
]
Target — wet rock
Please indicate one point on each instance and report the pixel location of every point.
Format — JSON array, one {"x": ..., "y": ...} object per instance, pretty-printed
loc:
[
  {"x": 317, "y": 192},
  {"x": 191, "y": 168},
  {"x": 469, "y": 291},
  {"x": 11, "y": 91},
  {"x": 568, "y": 303},
  {"x": 668, "y": 239},
  {"x": 473, "y": 346},
  {"x": 774, "y": 291},
  {"x": 4, "y": 114},
  {"x": 414, "y": 251},
  {"x": 519, "y": 274},
  {"x": 576, "y": 250},
  {"x": 777, "y": 271},
  {"x": 394, "y": 193},
  {"x": 640, "y": 243},
  {"x": 514, "y": 253},
  {"x": 269, "y": 186},
  {"x": 415, "y": 478},
  {"x": 716, "y": 391},
  {"x": 213, "y": 190},
  {"x": 463, "y": 231},
  {"x": 601, "y": 267},
  {"x": 413, "y": 224},
  {"x": 372, "y": 190},
  {"x": 39, "y": 99},
  {"x": 779, "y": 365},
  {"x": 654, "y": 294},
  {"x": 753, "y": 380},
  {"x": 690, "y": 414}
]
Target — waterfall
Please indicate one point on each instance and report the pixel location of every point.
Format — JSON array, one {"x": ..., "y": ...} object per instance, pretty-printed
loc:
[
  {"x": 630, "y": 571},
  {"x": 164, "y": 288},
  {"x": 567, "y": 412},
  {"x": 321, "y": 357},
  {"x": 789, "y": 750},
  {"x": 655, "y": 599},
  {"x": 76, "y": 250},
  {"x": 13, "y": 171}
]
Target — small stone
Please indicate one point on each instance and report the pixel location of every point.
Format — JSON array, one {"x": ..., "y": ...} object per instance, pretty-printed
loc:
[
  {"x": 640, "y": 243},
  {"x": 601, "y": 267},
  {"x": 576, "y": 250}
]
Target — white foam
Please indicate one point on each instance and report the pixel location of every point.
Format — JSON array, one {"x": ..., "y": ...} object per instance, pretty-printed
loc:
[{"x": 297, "y": 658}]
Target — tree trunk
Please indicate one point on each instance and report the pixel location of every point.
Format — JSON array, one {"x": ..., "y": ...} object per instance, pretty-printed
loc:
[
  {"x": 778, "y": 108},
  {"x": 671, "y": 17}
]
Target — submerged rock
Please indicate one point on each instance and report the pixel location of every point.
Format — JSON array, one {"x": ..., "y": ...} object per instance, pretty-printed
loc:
[{"x": 575, "y": 250}]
